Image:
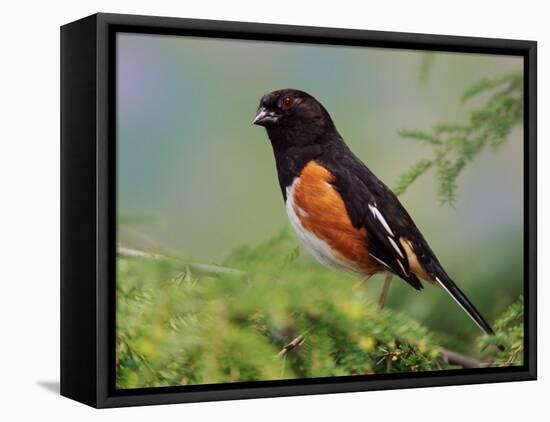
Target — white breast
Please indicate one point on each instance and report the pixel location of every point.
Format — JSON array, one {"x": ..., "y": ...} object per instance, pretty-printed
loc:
[{"x": 314, "y": 245}]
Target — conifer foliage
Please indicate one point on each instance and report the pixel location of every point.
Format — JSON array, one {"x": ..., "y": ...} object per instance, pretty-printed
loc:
[
  {"x": 454, "y": 145},
  {"x": 279, "y": 317}
]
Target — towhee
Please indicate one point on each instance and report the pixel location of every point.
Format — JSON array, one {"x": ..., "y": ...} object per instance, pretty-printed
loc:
[{"x": 342, "y": 213}]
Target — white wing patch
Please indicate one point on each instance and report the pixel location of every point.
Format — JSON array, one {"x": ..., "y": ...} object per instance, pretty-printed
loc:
[
  {"x": 317, "y": 247},
  {"x": 380, "y": 218},
  {"x": 382, "y": 262},
  {"x": 396, "y": 247},
  {"x": 378, "y": 215},
  {"x": 402, "y": 267}
]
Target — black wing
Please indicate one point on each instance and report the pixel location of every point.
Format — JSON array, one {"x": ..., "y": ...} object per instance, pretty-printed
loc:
[{"x": 371, "y": 204}]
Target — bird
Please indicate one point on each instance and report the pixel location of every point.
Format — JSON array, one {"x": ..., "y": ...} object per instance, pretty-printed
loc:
[{"x": 342, "y": 213}]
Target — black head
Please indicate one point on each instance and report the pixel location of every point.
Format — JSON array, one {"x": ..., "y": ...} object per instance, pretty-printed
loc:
[{"x": 292, "y": 117}]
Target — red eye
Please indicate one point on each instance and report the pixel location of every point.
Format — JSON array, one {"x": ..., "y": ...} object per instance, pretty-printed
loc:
[{"x": 288, "y": 102}]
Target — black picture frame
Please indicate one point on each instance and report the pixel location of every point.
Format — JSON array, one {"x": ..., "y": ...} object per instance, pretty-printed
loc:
[{"x": 88, "y": 208}]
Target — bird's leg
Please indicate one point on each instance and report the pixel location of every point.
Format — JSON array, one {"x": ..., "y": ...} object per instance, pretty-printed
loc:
[
  {"x": 385, "y": 289},
  {"x": 362, "y": 281}
]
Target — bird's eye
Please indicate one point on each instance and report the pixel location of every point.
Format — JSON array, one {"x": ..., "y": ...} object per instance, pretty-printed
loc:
[{"x": 288, "y": 102}]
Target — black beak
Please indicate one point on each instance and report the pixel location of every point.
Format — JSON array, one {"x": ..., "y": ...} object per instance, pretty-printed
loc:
[{"x": 265, "y": 117}]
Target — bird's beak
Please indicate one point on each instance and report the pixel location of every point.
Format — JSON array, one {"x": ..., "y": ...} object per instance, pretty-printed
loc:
[{"x": 265, "y": 117}]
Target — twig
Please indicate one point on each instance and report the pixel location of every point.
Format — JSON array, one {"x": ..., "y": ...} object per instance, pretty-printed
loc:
[
  {"x": 455, "y": 358},
  {"x": 134, "y": 253},
  {"x": 208, "y": 269},
  {"x": 296, "y": 342}
]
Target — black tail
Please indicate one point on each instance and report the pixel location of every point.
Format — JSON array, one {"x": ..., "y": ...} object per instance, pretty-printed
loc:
[{"x": 464, "y": 303}]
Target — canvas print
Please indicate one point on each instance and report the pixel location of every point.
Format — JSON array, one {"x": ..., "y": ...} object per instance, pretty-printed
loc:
[{"x": 292, "y": 211}]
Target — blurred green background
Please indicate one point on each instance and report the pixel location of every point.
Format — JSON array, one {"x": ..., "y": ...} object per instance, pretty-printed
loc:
[{"x": 197, "y": 180}]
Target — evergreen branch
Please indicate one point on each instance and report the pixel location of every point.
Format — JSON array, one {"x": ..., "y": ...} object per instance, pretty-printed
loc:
[
  {"x": 513, "y": 80},
  {"x": 457, "y": 144},
  {"x": 407, "y": 178},
  {"x": 509, "y": 329},
  {"x": 212, "y": 331},
  {"x": 420, "y": 136}
]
